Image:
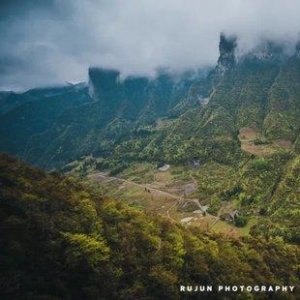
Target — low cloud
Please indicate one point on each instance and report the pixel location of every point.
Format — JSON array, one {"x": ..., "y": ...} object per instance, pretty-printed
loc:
[{"x": 51, "y": 42}]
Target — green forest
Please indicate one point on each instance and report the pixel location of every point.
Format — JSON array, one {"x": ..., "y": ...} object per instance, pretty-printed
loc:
[{"x": 60, "y": 239}]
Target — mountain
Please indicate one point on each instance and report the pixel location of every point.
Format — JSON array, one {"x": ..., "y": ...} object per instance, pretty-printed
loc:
[
  {"x": 60, "y": 239},
  {"x": 35, "y": 111},
  {"x": 238, "y": 122},
  {"x": 10, "y": 100},
  {"x": 65, "y": 124},
  {"x": 202, "y": 114},
  {"x": 258, "y": 91},
  {"x": 229, "y": 140}
]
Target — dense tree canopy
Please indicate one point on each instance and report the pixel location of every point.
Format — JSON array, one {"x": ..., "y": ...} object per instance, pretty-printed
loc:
[{"x": 61, "y": 240}]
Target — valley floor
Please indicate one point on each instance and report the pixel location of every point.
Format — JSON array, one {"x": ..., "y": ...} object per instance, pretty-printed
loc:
[{"x": 169, "y": 197}]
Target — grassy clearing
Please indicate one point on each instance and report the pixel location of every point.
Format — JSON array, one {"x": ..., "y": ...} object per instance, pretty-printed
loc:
[
  {"x": 227, "y": 228},
  {"x": 254, "y": 142}
]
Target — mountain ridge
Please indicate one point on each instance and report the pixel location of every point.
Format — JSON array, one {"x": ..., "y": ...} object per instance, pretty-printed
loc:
[{"x": 249, "y": 91}]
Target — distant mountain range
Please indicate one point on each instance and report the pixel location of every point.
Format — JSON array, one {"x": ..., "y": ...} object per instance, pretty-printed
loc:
[
  {"x": 233, "y": 129},
  {"x": 201, "y": 113},
  {"x": 49, "y": 127}
]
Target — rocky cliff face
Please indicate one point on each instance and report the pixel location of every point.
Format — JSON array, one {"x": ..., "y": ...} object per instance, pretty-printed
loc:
[{"x": 227, "y": 48}]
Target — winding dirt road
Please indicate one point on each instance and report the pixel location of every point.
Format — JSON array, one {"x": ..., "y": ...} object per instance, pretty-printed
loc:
[{"x": 177, "y": 198}]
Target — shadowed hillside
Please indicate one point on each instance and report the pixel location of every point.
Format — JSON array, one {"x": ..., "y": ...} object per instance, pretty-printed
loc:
[{"x": 61, "y": 240}]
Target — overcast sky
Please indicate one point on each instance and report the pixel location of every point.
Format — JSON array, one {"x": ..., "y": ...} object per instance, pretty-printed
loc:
[{"x": 46, "y": 42}]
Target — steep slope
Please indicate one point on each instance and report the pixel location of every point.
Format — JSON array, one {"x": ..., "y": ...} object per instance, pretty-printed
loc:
[
  {"x": 9, "y": 100},
  {"x": 282, "y": 209},
  {"x": 234, "y": 95},
  {"x": 245, "y": 116},
  {"x": 35, "y": 112},
  {"x": 61, "y": 240},
  {"x": 282, "y": 120},
  {"x": 245, "y": 105},
  {"x": 118, "y": 108},
  {"x": 258, "y": 92}
]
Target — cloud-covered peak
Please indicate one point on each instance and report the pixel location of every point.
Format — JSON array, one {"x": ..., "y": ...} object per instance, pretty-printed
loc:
[{"x": 50, "y": 42}]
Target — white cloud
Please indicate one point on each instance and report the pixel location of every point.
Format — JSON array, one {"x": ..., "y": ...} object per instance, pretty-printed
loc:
[{"x": 54, "y": 44}]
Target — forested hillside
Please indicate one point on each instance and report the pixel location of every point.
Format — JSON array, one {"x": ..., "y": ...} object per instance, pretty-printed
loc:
[
  {"x": 170, "y": 118},
  {"x": 61, "y": 240},
  {"x": 149, "y": 150},
  {"x": 232, "y": 131},
  {"x": 52, "y": 127},
  {"x": 25, "y": 115}
]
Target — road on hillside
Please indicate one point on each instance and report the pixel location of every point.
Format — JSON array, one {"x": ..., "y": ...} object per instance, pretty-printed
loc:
[{"x": 145, "y": 186}]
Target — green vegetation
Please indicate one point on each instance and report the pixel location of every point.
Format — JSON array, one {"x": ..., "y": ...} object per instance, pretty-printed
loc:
[
  {"x": 233, "y": 135},
  {"x": 61, "y": 240},
  {"x": 164, "y": 120}
]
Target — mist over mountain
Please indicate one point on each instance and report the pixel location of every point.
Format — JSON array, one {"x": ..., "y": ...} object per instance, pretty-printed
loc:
[
  {"x": 111, "y": 111},
  {"x": 50, "y": 42},
  {"x": 170, "y": 134}
]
